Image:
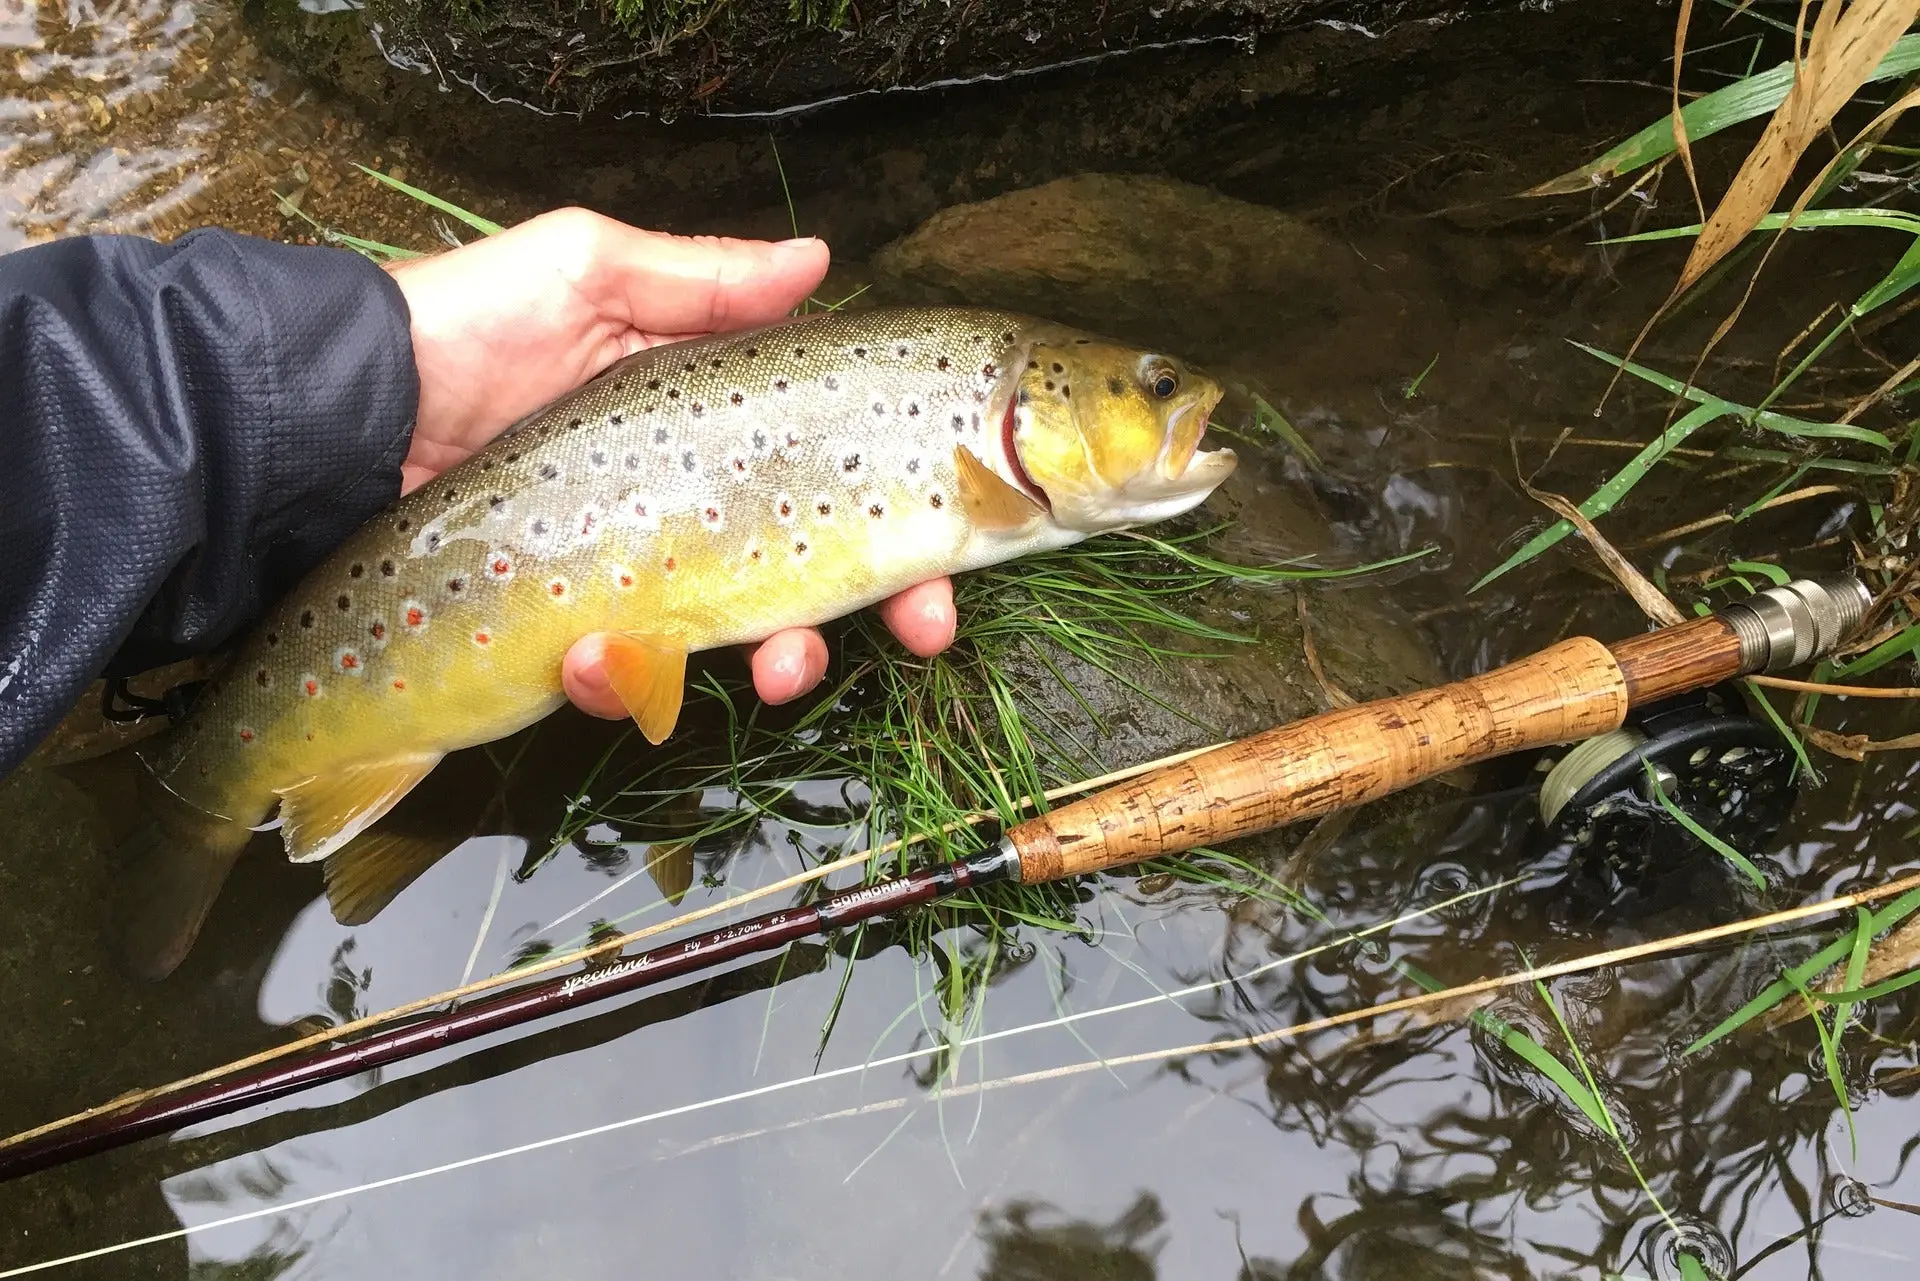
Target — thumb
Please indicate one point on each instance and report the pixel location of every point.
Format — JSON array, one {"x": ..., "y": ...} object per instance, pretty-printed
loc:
[{"x": 700, "y": 284}]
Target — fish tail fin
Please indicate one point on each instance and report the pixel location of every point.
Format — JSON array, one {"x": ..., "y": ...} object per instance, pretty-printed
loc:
[
  {"x": 368, "y": 872},
  {"x": 670, "y": 864},
  {"x": 175, "y": 864}
]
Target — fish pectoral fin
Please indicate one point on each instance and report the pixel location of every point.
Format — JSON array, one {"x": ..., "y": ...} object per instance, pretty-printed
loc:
[
  {"x": 320, "y": 815},
  {"x": 650, "y": 676},
  {"x": 992, "y": 503},
  {"x": 368, "y": 872}
]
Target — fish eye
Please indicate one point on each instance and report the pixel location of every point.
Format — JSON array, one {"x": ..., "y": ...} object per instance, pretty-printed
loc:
[{"x": 1165, "y": 383}]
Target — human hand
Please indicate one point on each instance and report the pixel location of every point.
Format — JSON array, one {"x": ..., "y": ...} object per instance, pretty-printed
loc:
[{"x": 506, "y": 324}]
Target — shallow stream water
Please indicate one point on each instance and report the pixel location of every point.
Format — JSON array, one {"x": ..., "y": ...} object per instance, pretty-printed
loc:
[{"x": 715, "y": 1135}]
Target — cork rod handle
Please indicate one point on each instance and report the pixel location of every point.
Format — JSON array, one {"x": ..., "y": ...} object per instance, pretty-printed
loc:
[{"x": 1573, "y": 690}]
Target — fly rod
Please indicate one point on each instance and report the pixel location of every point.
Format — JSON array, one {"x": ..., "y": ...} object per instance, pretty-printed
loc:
[{"x": 1573, "y": 690}]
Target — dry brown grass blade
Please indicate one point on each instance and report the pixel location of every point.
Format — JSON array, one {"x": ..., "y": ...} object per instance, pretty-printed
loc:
[
  {"x": 1841, "y": 52},
  {"x": 1844, "y": 48},
  {"x": 1892, "y": 956},
  {"x": 1649, "y": 598},
  {"x": 1854, "y": 747},
  {"x": 1682, "y": 145}
]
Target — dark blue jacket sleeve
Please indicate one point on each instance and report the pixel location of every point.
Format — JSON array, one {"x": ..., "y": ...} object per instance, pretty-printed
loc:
[{"x": 185, "y": 429}]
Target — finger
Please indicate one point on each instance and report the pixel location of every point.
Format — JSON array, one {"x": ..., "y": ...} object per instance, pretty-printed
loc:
[
  {"x": 788, "y": 664},
  {"x": 922, "y": 617},
  {"x": 583, "y": 675},
  {"x": 698, "y": 284}
]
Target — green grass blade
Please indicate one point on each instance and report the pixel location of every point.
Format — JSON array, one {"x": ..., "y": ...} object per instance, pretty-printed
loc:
[
  {"x": 1603, "y": 499},
  {"x": 484, "y": 226},
  {"x": 1772, "y": 573},
  {"x": 1809, "y": 220},
  {"x": 1886, "y": 987},
  {"x": 1785, "y": 424},
  {"x": 1267, "y": 418},
  {"x": 1413, "y": 388},
  {"x": 1691, "y": 1269},
  {"x": 1897, "y": 646},
  {"x": 1830, "y": 1059},
  {"x": 1744, "y": 99},
  {"x": 1701, "y": 834},
  {"x": 1783, "y": 987}
]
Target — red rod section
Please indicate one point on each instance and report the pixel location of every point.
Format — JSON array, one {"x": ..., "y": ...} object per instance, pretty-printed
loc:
[{"x": 536, "y": 1000}]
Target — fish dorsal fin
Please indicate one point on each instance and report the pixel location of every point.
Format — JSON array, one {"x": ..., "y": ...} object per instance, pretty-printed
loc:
[
  {"x": 992, "y": 503},
  {"x": 368, "y": 872},
  {"x": 323, "y": 813},
  {"x": 650, "y": 676},
  {"x": 670, "y": 864}
]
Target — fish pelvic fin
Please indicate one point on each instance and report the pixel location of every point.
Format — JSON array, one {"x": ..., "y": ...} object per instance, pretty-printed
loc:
[
  {"x": 321, "y": 814},
  {"x": 992, "y": 503},
  {"x": 650, "y": 676},
  {"x": 175, "y": 864},
  {"x": 670, "y": 864},
  {"x": 368, "y": 872}
]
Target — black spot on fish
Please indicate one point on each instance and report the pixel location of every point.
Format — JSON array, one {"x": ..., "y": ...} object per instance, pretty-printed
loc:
[
  {"x": 673, "y": 393},
  {"x": 573, "y": 424},
  {"x": 989, "y": 369},
  {"x": 386, "y": 569},
  {"x": 306, "y": 618},
  {"x": 737, "y": 399},
  {"x": 936, "y": 502},
  {"x": 1024, "y": 396},
  {"x": 356, "y": 569},
  {"x": 876, "y": 511},
  {"x": 486, "y": 464},
  {"x": 456, "y": 585},
  {"x": 779, "y": 384},
  {"x": 549, "y": 472},
  {"x": 497, "y": 502},
  {"x": 659, "y": 435},
  {"x": 716, "y": 364},
  {"x": 1081, "y": 342},
  {"x": 697, "y": 408},
  {"x": 959, "y": 422},
  {"x": 752, "y": 352},
  {"x": 900, "y": 351},
  {"x": 850, "y": 463},
  {"x": 633, "y": 462},
  {"x": 1033, "y": 364},
  {"x": 801, "y": 548},
  {"x": 913, "y": 466},
  {"x": 860, "y": 352},
  {"x": 344, "y": 601},
  {"x": 599, "y": 458},
  {"x": 879, "y": 409},
  {"x": 273, "y": 638},
  {"x": 433, "y": 541},
  {"x": 942, "y": 364},
  {"x": 825, "y": 508},
  {"x": 513, "y": 458},
  {"x": 403, "y": 525},
  {"x": 688, "y": 462},
  {"x": 1007, "y": 337},
  {"x": 614, "y": 420},
  {"x": 452, "y": 493},
  {"x": 1057, "y": 367},
  {"x": 540, "y": 527},
  {"x": 653, "y": 384},
  {"x": 1066, "y": 392},
  {"x": 261, "y": 678},
  {"x": 1049, "y": 384},
  {"x": 800, "y": 352},
  {"x": 1115, "y": 387}
]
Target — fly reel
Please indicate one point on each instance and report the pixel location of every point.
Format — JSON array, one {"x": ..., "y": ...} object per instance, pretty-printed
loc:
[{"x": 1730, "y": 772}]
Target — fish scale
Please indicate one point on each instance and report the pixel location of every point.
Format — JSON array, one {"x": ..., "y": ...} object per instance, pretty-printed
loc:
[{"x": 695, "y": 495}]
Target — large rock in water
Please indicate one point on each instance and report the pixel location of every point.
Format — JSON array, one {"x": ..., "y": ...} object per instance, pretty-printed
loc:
[{"x": 1096, "y": 248}]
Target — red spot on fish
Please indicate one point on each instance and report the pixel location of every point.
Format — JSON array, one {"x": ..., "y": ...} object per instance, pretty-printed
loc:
[
  {"x": 586, "y": 523},
  {"x": 557, "y": 587},
  {"x": 671, "y": 563},
  {"x": 349, "y": 661},
  {"x": 626, "y": 580},
  {"x": 246, "y": 736},
  {"x": 399, "y": 684},
  {"x": 313, "y": 688},
  {"x": 481, "y": 638},
  {"x": 378, "y": 631},
  {"x": 416, "y": 616}
]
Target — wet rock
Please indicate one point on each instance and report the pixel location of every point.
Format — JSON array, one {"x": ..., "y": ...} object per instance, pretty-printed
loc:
[{"x": 1105, "y": 248}]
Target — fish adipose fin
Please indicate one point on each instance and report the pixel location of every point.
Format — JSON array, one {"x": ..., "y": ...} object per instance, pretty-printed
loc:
[
  {"x": 320, "y": 815},
  {"x": 992, "y": 503},
  {"x": 370, "y": 871},
  {"x": 175, "y": 863},
  {"x": 650, "y": 676}
]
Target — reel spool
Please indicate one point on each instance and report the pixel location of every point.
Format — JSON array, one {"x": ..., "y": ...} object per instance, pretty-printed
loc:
[{"x": 1731, "y": 772}]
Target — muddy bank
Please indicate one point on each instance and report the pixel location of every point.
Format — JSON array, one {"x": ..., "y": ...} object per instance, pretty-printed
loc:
[{"x": 1425, "y": 111}]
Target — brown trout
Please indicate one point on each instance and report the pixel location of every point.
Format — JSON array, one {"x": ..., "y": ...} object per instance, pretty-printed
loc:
[{"x": 695, "y": 495}]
